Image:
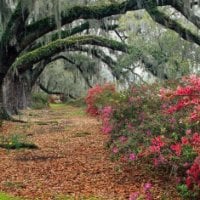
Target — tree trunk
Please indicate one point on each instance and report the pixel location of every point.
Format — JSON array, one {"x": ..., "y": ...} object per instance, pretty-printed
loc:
[
  {"x": 16, "y": 93},
  {"x": 3, "y": 113}
]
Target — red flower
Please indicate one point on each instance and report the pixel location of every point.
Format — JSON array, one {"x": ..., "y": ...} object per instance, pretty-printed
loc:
[
  {"x": 177, "y": 148},
  {"x": 157, "y": 141},
  {"x": 184, "y": 140},
  {"x": 196, "y": 139}
]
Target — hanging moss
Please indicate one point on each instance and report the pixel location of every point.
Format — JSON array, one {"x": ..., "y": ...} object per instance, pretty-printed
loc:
[
  {"x": 14, "y": 24},
  {"x": 40, "y": 27},
  {"x": 25, "y": 61}
]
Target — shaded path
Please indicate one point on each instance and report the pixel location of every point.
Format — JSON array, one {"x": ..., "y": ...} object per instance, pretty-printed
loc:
[{"x": 71, "y": 160}]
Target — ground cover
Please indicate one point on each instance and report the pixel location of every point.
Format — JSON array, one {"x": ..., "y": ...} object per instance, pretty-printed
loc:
[{"x": 71, "y": 161}]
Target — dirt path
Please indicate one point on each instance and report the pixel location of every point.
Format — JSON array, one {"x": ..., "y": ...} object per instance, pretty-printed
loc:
[{"x": 71, "y": 160}]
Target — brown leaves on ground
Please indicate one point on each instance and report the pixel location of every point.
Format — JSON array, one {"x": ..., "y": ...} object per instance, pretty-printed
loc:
[{"x": 71, "y": 160}]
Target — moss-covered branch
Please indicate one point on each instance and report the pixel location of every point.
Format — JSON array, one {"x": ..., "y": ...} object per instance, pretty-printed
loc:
[
  {"x": 25, "y": 61},
  {"x": 41, "y": 27},
  {"x": 165, "y": 20},
  {"x": 99, "y": 54},
  {"x": 15, "y": 25},
  {"x": 78, "y": 66},
  {"x": 48, "y": 24},
  {"x": 45, "y": 89},
  {"x": 185, "y": 7},
  {"x": 75, "y": 43},
  {"x": 70, "y": 32}
]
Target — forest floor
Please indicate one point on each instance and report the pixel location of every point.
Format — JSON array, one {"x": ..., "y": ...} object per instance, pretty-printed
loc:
[{"x": 71, "y": 161}]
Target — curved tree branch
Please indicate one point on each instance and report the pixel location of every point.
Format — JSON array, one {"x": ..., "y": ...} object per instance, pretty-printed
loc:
[
  {"x": 42, "y": 87},
  {"x": 48, "y": 24},
  {"x": 70, "y": 32},
  {"x": 98, "y": 53},
  {"x": 78, "y": 66},
  {"x": 165, "y": 20},
  {"x": 27, "y": 60}
]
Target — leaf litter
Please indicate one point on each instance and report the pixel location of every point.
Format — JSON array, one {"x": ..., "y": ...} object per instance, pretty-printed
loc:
[{"x": 71, "y": 160}]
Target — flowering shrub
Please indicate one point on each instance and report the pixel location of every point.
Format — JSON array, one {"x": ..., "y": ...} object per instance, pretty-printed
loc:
[
  {"x": 96, "y": 96},
  {"x": 106, "y": 114},
  {"x": 186, "y": 96},
  {"x": 193, "y": 174},
  {"x": 159, "y": 123},
  {"x": 146, "y": 193}
]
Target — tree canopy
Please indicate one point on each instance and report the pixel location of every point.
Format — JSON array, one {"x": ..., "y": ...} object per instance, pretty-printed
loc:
[{"x": 33, "y": 32}]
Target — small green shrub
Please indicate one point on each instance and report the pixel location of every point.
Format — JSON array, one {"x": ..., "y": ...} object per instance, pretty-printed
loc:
[
  {"x": 39, "y": 100},
  {"x": 80, "y": 102},
  {"x": 185, "y": 193},
  {"x": 15, "y": 141}
]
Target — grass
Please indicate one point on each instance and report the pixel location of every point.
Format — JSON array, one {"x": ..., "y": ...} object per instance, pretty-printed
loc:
[
  {"x": 4, "y": 196},
  {"x": 77, "y": 103},
  {"x": 9, "y": 184},
  {"x": 82, "y": 134},
  {"x": 18, "y": 146},
  {"x": 75, "y": 198},
  {"x": 15, "y": 141},
  {"x": 57, "y": 105},
  {"x": 71, "y": 111}
]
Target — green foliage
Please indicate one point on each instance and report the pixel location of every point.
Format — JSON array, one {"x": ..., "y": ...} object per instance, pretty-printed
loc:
[
  {"x": 185, "y": 193},
  {"x": 80, "y": 102},
  {"x": 80, "y": 197},
  {"x": 39, "y": 100},
  {"x": 62, "y": 44},
  {"x": 174, "y": 56},
  {"x": 15, "y": 141},
  {"x": 4, "y": 196}
]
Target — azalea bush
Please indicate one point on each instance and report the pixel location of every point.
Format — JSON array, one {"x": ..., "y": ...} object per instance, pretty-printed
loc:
[
  {"x": 100, "y": 96},
  {"x": 155, "y": 122},
  {"x": 146, "y": 194}
]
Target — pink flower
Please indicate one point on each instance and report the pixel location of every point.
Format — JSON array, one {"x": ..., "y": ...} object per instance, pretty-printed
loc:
[
  {"x": 132, "y": 156},
  {"x": 148, "y": 133},
  {"x": 186, "y": 165},
  {"x": 149, "y": 195},
  {"x": 106, "y": 112},
  {"x": 188, "y": 132},
  {"x": 147, "y": 186},
  {"x": 107, "y": 128},
  {"x": 115, "y": 150},
  {"x": 123, "y": 139},
  {"x": 172, "y": 120},
  {"x": 156, "y": 162},
  {"x": 130, "y": 126},
  {"x": 178, "y": 180},
  {"x": 134, "y": 196}
]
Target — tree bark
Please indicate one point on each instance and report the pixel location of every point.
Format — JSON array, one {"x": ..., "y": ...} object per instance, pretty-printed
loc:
[{"x": 16, "y": 93}]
